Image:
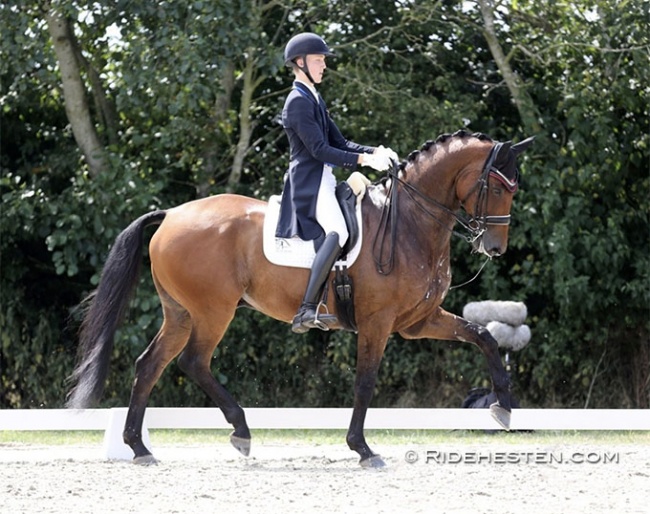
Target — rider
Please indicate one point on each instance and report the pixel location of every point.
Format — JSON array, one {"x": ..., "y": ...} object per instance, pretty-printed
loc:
[{"x": 309, "y": 207}]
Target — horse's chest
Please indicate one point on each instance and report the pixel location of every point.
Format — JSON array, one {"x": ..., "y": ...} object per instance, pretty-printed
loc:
[{"x": 433, "y": 287}]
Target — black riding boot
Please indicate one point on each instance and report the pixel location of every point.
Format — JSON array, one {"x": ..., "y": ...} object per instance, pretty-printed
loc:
[{"x": 308, "y": 315}]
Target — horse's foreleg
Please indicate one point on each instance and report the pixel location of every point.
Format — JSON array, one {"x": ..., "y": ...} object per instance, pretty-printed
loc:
[
  {"x": 195, "y": 362},
  {"x": 500, "y": 381},
  {"x": 369, "y": 354},
  {"x": 445, "y": 326}
]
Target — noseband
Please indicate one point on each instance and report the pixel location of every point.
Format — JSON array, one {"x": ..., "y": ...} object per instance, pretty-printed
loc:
[{"x": 475, "y": 224}]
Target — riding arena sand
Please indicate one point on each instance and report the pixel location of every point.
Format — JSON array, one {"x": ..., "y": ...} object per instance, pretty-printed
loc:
[{"x": 490, "y": 476}]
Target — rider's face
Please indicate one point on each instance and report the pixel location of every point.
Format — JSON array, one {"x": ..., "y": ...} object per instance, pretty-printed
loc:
[{"x": 316, "y": 66}]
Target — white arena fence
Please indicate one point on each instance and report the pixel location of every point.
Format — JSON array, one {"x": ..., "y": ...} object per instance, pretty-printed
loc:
[
  {"x": 331, "y": 418},
  {"x": 111, "y": 421}
]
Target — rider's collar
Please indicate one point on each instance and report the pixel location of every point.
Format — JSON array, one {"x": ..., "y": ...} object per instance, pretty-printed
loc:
[{"x": 310, "y": 87}]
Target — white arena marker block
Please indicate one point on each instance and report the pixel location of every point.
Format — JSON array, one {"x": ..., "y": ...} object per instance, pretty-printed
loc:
[{"x": 114, "y": 446}]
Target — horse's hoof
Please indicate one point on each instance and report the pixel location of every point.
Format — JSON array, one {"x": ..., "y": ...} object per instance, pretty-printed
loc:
[
  {"x": 145, "y": 460},
  {"x": 242, "y": 445},
  {"x": 501, "y": 415},
  {"x": 374, "y": 462}
]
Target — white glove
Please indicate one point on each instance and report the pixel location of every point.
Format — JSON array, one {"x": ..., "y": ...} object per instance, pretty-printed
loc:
[
  {"x": 389, "y": 152},
  {"x": 378, "y": 160}
]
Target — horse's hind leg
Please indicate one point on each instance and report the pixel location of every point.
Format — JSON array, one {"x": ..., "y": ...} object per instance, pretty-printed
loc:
[
  {"x": 167, "y": 344},
  {"x": 195, "y": 359}
]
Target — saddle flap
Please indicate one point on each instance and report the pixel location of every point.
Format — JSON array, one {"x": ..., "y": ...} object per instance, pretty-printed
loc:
[{"x": 348, "y": 201}]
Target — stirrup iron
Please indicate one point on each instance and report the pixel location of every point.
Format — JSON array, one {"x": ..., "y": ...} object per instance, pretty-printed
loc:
[{"x": 322, "y": 323}]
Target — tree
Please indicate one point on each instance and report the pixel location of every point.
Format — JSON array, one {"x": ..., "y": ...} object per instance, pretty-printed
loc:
[
  {"x": 578, "y": 256},
  {"x": 522, "y": 100},
  {"x": 74, "y": 91},
  {"x": 181, "y": 101}
]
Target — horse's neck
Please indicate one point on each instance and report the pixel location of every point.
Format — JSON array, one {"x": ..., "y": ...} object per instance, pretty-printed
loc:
[
  {"x": 430, "y": 212},
  {"x": 435, "y": 183}
]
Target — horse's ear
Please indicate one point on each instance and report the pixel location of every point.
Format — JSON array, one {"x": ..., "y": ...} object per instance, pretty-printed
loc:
[
  {"x": 504, "y": 151},
  {"x": 522, "y": 145}
]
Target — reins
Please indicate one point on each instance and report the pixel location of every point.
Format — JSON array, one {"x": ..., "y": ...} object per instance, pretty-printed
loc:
[
  {"x": 388, "y": 222},
  {"x": 388, "y": 216},
  {"x": 474, "y": 225}
]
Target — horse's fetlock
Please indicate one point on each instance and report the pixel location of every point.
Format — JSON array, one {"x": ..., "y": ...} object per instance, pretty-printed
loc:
[
  {"x": 355, "y": 441},
  {"x": 129, "y": 437},
  {"x": 235, "y": 416}
]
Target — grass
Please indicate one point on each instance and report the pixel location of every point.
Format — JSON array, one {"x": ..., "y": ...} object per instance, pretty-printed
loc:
[{"x": 337, "y": 437}]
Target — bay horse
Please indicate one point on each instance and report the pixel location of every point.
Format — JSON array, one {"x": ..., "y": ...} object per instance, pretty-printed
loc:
[{"x": 207, "y": 260}]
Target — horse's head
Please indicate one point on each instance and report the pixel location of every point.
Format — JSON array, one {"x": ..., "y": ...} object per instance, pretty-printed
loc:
[{"x": 486, "y": 196}]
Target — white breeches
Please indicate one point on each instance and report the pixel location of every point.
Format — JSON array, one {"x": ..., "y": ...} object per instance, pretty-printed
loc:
[{"x": 328, "y": 212}]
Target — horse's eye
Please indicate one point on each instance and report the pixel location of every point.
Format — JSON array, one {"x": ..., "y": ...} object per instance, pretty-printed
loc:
[{"x": 497, "y": 191}]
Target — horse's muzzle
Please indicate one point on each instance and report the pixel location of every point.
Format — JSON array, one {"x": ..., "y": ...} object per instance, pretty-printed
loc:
[{"x": 492, "y": 243}]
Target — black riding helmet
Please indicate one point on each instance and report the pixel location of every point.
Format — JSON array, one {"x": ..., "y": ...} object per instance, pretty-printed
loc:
[{"x": 302, "y": 45}]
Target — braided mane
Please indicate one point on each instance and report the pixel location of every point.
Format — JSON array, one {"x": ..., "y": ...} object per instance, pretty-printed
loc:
[{"x": 441, "y": 139}]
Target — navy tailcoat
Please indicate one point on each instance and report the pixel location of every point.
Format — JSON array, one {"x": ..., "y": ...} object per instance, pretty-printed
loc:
[{"x": 314, "y": 141}]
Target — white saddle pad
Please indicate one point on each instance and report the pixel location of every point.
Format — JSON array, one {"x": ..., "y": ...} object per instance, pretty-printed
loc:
[{"x": 295, "y": 252}]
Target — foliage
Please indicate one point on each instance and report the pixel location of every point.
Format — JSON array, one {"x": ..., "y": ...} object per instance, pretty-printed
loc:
[{"x": 191, "y": 87}]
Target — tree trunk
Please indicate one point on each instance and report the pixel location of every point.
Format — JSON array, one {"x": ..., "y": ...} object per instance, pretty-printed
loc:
[
  {"x": 74, "y": 93},
  {"x": 522, "y": 100},
  {"x": 245, "y": 123},
  {"x": 213, "y": 154},
  {"x": 104, "y": 105}
]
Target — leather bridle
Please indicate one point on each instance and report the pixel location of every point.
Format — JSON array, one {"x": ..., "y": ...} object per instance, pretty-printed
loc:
[{"x": 475, "y": 225}]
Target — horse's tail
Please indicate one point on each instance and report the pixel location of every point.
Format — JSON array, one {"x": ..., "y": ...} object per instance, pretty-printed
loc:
[{"x": 105, "y": 309}]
